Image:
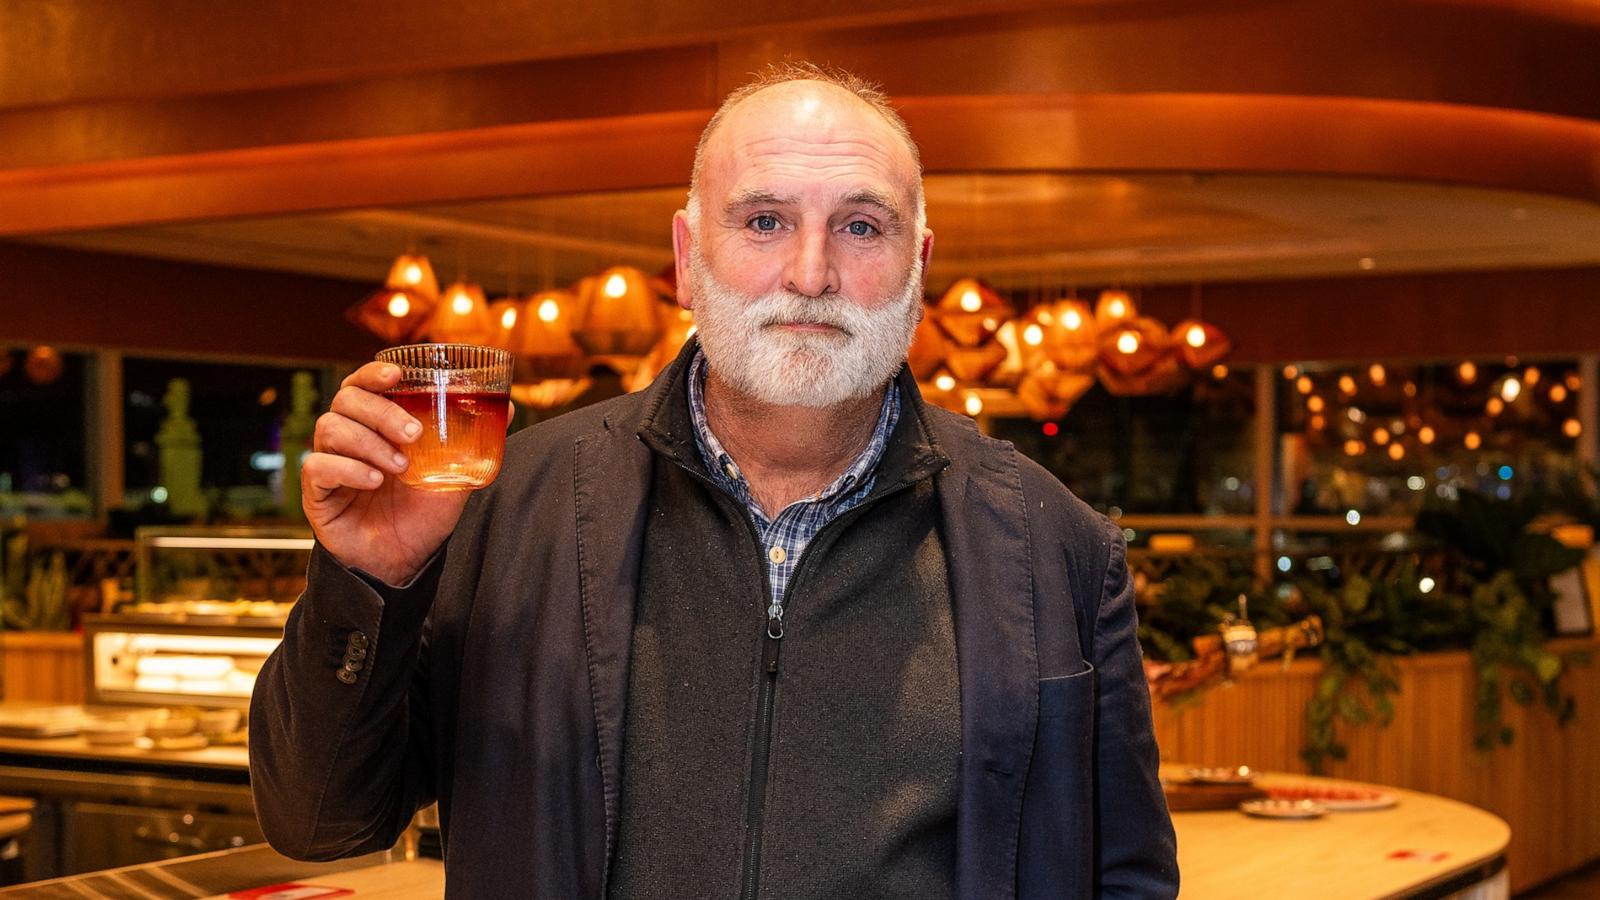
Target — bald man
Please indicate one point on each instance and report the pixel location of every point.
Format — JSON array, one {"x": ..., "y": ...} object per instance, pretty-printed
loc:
[{"x": 772, "y": 627}]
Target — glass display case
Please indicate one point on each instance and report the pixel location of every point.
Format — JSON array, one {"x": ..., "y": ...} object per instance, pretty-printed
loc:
[{"x": 209, "y": 608}]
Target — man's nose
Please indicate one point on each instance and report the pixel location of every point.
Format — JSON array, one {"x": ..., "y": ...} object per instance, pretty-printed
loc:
[{"x": 809, "y": 270}]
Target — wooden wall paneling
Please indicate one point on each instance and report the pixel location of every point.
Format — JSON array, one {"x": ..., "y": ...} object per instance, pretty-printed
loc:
[{"x": 42, "y": 666}]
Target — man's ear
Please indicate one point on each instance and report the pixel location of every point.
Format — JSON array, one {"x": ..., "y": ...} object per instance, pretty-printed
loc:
[
  {"x": 927, "y": 250},
  {"x": 682, "y": 246}
]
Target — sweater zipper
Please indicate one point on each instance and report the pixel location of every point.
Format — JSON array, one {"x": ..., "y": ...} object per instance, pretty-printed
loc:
[{"x": 771, "y": 651}]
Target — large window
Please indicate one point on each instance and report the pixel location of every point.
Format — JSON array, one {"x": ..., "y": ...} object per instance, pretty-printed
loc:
[
  {"x": 44, "y": 438},
  {"x": 238, "y": 412}
]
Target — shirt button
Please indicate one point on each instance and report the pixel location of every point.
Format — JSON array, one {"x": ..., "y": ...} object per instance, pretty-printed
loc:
[
  {"x": 732, "y": 470},
  {"x": 777, "y": 555}
]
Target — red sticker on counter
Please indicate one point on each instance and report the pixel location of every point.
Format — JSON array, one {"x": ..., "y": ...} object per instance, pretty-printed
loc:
[
  {"x": 1427, "y": 856},
  {"x": 292, "y": 892}
]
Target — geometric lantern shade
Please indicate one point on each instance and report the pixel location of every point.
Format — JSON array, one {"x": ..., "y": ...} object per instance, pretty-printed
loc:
[
  {"x": 1113, "y": 307},
  {"x": 413, "y": 272},
  {"x": 971, "y": 312},
  {"x": 503, "y": 315},
  {"x": 1132, "y": 346},
  {"x": 621, "y": 314},
  {"x": 395, "y": 315},
  {"x": 462, "y": 316},
  {"x": 928, "y": 348},
  {"x": 1201, "y": 345},
  {"x": 1070, "y": 333},
  {"x": 541, "y": 339}
]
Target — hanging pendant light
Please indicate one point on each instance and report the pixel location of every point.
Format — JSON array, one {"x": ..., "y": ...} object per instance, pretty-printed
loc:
[
  {"x": 503, "y": 316},
  {"x": 541, "y": 340},
  {"x": 621, "y": 315},
  {"x": 462, "y": 316},
  {"x": 1200, "y": 345},
  {"x": 928, "y": 347},
  {"x": 679, "y": 327},
  {"x": 1133, "y": 346},
  {"x": 398, "y": 312},
  {"x": 970, "y": 313},
  {"x": 1114, "y": 306},
  {"x": 1071, "y": 334}
]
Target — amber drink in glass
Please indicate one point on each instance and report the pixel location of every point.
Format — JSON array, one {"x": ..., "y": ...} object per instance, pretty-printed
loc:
[{"x": 461, "y": 393}]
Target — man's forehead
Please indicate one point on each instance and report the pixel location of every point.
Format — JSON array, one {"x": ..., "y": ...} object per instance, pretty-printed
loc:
[{"x": 800, "y": 128}]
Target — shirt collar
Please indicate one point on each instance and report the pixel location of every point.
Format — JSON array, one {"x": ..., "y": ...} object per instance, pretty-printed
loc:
[{"x": 726, "y": 471}]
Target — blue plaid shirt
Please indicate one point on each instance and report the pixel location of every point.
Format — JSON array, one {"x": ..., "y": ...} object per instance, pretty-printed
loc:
[{"x": 784, "y": 538}]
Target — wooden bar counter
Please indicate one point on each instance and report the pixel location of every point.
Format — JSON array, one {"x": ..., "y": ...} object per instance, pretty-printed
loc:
[{"x": 1424, "y": 846}]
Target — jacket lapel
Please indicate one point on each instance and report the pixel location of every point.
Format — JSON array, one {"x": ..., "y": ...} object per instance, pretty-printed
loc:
[{"x": 986, "y": 539}]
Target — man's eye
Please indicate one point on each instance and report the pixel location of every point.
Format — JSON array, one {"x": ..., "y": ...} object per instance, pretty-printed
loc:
[
  {"x": 764, "y": 223},
  {"x": 859, "y": 228}
]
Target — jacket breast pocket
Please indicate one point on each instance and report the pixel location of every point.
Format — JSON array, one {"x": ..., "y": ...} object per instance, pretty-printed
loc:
[{"x": 1057, "y": 850}]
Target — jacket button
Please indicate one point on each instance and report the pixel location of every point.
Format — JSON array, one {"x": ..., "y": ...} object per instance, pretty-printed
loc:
[
  {"x": 356, "y": 653},
  {"x": 347, "y": 676},
  {"x": 358, "y": 639}
]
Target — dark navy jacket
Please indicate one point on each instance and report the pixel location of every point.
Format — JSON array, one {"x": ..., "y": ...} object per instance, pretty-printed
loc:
[{"x": 496, "y": 681}]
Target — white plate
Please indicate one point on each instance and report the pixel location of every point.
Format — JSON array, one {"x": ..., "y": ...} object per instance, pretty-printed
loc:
[
  {"x": 1222, "y": 775},
  {"x": 1283, "y": 809}
]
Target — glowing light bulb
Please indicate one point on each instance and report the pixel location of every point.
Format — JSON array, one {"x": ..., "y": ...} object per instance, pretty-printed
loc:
[
  {"x": 1196, "y": 336},
  {"x": 1377, "y": 375},
  {"x": 1531, "y": 376},
  {"x": 945, "y": 383},
  {"x": 1347, "y": 385},
  {"x": 1045, "y": 317},
  {"x": 1318, "y": 423},
  {"x": 1397, "y": 452},
  {"x": 1425, "y": 434},
  {"x": 549, "y": 310},
  {"x": 1033, "y": 335},
  {"x": 1117, "y": 308},
  {"x": 1572, "y": 428},
  {"x": 1128, "y": 342},
  {"x": 1472, "y": 441},
  {"x": 1558, "y": 393},
  {"x": 1352, "y": 517},
  {"x": 1315, "y": 403},
  {"x": 615, "y": 286},
  {"x": 970, "y": 301},
  {"x": 1219, "y": 371},
  {"x": 1411, "y": 389},
  {"x": 1574, "y": 382},
  {"x": 1426, "y": 585},
  {"x": 1072, "y": 319},
  {"x": 1510, "y": 390},
  {"x": 1380, "y": 436},
  {"x": 1290, "y": 373},
  {"x": 1467, "y": 372},
  {"x": 1354, "y": 448},
  {"x": 974, "y": 405},
  {"x": 412, "y": 274},
  {"x": 461, "y": 304},
  {"x": 399, "y": 305},
  {"x": 508, "y": 319},
  {"x": 1303, "y": 384},
  {"x": 1495, "y": 406}
]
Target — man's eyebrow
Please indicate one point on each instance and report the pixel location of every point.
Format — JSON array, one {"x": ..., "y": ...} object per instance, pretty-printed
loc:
[
  {"x": 869, "y": 197},
  {"x": 747, "y": 198}
]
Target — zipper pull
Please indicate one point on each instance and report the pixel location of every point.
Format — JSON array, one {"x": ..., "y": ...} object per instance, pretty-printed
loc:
[{"x": 775, "y": 621}]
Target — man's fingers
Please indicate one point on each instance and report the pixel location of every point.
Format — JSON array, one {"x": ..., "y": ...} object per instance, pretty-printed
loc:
[
  {"x": 343, "y": 436},
  {"x": 377, "y": 413},
  {"x": 324, "y": 473},
  {"x": 374, "y": 376}
]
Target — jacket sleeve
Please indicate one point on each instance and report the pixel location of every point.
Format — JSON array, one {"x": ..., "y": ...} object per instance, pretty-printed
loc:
[
  {"x": 340, "y": 748},
  {"x": 1137, "y": 849}
]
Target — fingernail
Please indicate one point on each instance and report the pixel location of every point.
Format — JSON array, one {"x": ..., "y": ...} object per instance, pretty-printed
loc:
[
  {"x": 400, "y": 460},
  {"x": 413, "y": 428},
  {"x": 390, "y": 371},
  {"x": 375, "y": 476}
]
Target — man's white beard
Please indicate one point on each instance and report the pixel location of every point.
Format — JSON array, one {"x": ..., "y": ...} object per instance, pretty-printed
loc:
[{"x": 783, "y": 367}]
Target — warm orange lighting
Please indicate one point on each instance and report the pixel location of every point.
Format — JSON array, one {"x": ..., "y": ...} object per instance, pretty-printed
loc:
[
  {"x": 1425, "y": 434},
  {"x": 1495, "y": 406},
  {"x": 1354, "y": 448},
  {"x": 462, "y": 317},
  {"x": 1219, "y": 371},
  {"x": 1380, "y": 436},
  {"x": 615, "y": 286},
  {"x": 549, "y": 310},
  {"x": 1558, "y": 393},
  {"x": 945, "y": 382},
  {"x": 1195, "y": 337},
  {"x": 1531, "y": 376},
  {"x": 1318, "y": 423},
  {"x": 1510, "y": 390},
  {"x": 1572, "y": 428},
  {"x": 1315, "y": 403},
  {"x": 1574, "y": 382},
  {"x": 508, "y": 318},
  {"x": 413, "y": 272},
  {"x": 1397, "y": 452},
  {"x": 1411, "y": 389},
  {"x": 1114, "y": 306},
  {"x": 974, "y": 405},
  {"x": 399, "y": 305},
  {"x": 1347, "y": 385},
  {"x": 970, "y": 301},
  {"x": 1072, "y": 319},
  {"x": 1033, "y": 335},
  {"x": 1467, "y": 372},
  {"x": 1290, "y": 373},
  {"x": 1377, "y": 375},
  {"x": 1128, "y": 342},
  {"x": 1303, "y": 384},
  {"x": 1472, "y": 440}
]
